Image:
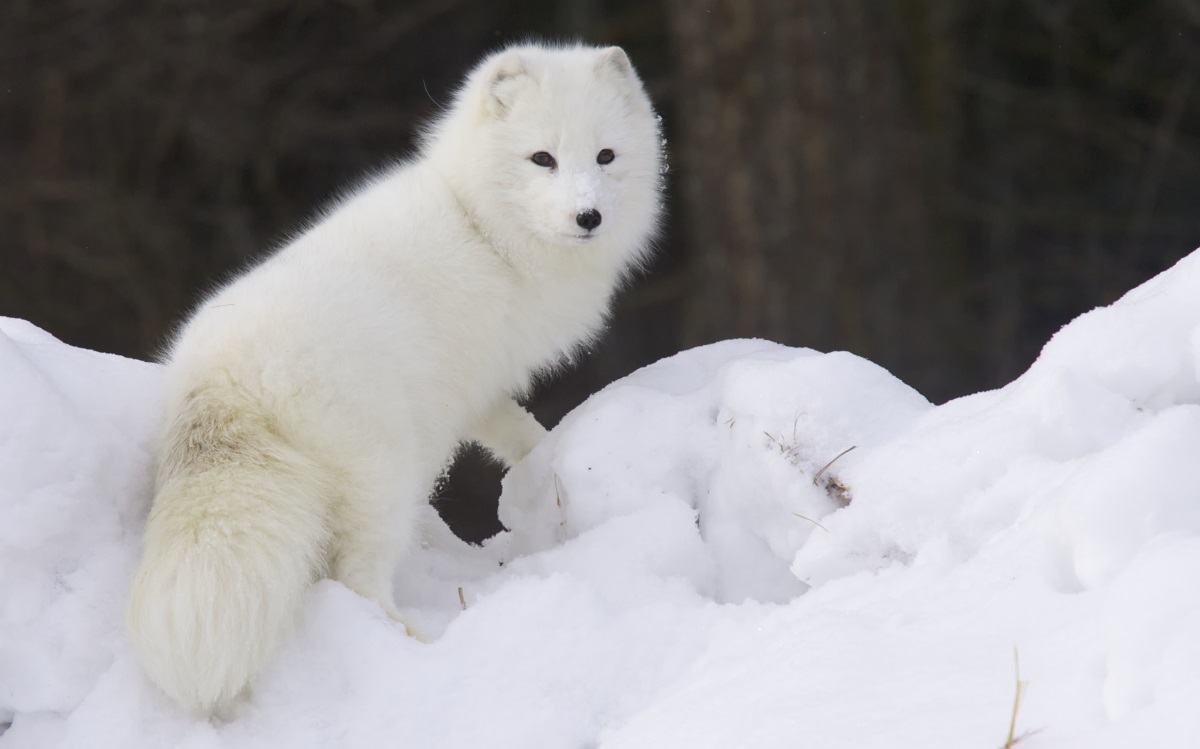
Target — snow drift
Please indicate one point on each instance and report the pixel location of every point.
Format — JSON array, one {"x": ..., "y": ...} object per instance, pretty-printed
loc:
[{"x": 744, "y": 545}]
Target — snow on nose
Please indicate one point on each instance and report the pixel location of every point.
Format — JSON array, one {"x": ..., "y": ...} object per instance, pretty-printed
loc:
[{"x": 586, "y": 193}]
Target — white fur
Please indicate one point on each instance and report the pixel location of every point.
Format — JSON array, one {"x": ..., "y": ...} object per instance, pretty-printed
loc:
[{"x": 313, "y": 401}]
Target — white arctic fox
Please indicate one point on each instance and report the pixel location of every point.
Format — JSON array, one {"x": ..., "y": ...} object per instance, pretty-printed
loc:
[{"x": 313, "y": 401}]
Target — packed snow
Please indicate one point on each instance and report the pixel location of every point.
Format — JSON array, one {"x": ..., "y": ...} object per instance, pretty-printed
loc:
[{"x": 744, "y": 545}]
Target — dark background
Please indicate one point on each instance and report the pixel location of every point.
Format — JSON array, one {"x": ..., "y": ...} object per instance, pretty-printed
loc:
[{"x": 937, "y": 186}]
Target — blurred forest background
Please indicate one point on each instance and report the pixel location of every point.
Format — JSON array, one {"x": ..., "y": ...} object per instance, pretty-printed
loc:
[{"x": 934, "y": 185}]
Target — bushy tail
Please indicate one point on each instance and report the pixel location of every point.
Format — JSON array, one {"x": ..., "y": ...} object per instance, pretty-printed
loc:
[{"x": 236, "y": 534}]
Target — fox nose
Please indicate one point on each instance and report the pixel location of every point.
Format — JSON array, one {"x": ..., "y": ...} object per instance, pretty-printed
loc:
[{"x": 589, "y": 219}]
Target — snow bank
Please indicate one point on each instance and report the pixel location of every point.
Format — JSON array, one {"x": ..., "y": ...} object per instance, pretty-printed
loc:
[{"x": 744, "y": 545}]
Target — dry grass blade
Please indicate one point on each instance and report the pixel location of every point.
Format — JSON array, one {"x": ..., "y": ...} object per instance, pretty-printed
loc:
[
  {"x": 825, "y": 468},
  {"x": 805, "y": 517},
  {"x": 462, "y": 601},
  {"x": 1012, "y": 723},
  {"x": 1013, "y": 739}
]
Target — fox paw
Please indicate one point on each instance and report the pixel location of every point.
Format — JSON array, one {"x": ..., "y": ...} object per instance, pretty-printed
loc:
[{"x": 409, "y": 629}]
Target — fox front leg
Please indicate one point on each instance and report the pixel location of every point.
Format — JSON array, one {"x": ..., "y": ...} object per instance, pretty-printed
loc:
[{"x": 508, "y": 431}]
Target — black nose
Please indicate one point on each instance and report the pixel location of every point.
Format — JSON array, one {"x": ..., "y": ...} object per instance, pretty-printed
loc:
[{"x": 589, "y": 219}]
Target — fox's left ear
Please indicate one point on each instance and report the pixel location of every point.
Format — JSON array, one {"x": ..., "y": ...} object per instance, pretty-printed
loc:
[
  {"x": 614, "y": 60},
  {"x": 506, "y": 75}
]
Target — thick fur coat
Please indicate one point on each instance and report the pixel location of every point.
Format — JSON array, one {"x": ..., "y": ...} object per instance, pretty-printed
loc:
[{"x": 314, "y": 400}]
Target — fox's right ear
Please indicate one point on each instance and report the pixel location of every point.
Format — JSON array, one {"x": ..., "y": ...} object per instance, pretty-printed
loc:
[
  {"x": 505, "y": 77},
  {"x": 615, "y": 60}
]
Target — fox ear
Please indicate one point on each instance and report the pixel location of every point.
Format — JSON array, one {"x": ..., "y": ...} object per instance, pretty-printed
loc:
[
  {"x": 506, "y": 75},
  {"x": 614, "y": 59}
]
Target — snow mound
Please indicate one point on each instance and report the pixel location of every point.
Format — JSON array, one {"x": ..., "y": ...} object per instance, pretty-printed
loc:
[{"x": 741, "y": 545}]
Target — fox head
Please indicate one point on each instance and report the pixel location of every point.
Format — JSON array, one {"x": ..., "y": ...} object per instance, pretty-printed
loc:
[{"x": 555, "y": 149}]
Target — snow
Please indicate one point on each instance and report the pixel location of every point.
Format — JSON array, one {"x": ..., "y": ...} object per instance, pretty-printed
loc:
[{"x": 695, "y": 561}]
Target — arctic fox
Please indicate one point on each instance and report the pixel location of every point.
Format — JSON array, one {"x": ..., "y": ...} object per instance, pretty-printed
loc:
[{"x": 313, "y": 401}]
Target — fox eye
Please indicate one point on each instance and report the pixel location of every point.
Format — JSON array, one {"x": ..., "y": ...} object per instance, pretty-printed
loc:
[
  {"x": 605, "y": 156},
  {"x": 541, "y": 158}
]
